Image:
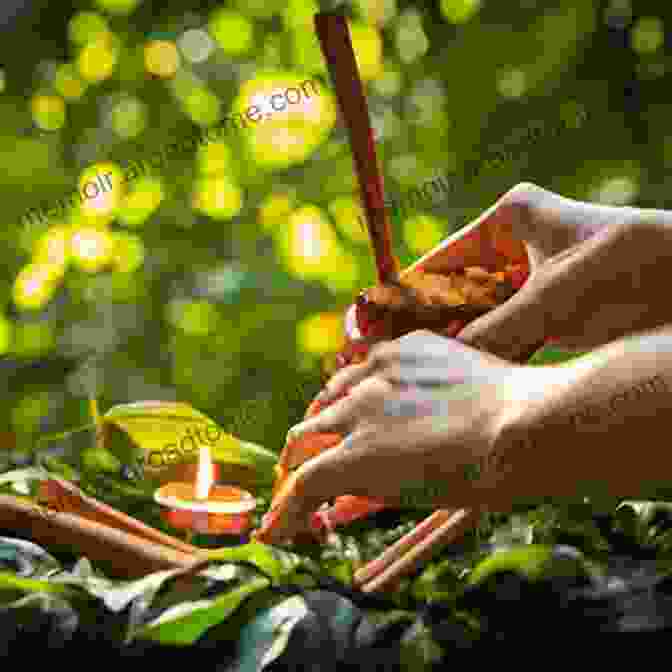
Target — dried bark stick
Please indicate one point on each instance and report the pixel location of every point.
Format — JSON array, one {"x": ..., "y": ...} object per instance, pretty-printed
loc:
[
  {"x": 402, "y": 546},
  {"x": 66, "y": 497},
  {"x": 444, "y": 534},
  {"x": 129, "y": 556}
]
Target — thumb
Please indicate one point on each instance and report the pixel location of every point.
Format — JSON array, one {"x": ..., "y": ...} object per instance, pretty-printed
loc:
[
  {"x": 548, "y": 222},
  {"x": 512, "y": 331},
  {"x": 313, "y": 483},
  {"x": 551, "y": 225},
  {"x": 566, "y": 292}
]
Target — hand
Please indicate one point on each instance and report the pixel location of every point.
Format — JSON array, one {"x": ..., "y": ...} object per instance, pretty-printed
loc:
[
  {"x": 597, "y": 274},
  {"x": 423, "y": 419}
]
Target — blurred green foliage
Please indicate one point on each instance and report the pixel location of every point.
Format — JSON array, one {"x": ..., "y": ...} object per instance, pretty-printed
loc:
[{"x": 220, "y": 277}]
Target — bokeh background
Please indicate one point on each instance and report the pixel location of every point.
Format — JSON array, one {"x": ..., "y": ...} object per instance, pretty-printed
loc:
[{"x": 220, "y": 279}]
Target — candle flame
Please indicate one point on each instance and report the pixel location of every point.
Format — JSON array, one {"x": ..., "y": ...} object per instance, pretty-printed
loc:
[{"x": 204, "y": 477}]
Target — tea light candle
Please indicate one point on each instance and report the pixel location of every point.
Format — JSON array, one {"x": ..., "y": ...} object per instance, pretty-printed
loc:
[{"x": 203, "y": 507}]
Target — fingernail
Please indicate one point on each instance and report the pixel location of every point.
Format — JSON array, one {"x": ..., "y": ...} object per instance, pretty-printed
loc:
[{"x": 292, "y": 435}]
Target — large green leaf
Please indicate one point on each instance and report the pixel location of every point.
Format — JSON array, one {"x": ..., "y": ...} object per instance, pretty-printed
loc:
[
  {"x": 184, "y": 623},
  {"x": 161, "y": 433},
  {"x": 528, "y": 560},
  {"x": 535, "y": 562},
  {"x": 116, "y": 595}
]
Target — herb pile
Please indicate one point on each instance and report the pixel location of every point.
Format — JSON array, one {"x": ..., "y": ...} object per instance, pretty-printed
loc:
[
  {"x": 580, "y": 567},
  {"x": 260, "y": 607}
]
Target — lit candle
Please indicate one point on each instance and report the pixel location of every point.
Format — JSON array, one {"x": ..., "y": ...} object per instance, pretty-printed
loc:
[{"x": 201, "y": 506}]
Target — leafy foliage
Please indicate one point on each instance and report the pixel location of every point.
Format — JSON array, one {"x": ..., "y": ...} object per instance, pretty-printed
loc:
[{"x": 193, "y": 285}]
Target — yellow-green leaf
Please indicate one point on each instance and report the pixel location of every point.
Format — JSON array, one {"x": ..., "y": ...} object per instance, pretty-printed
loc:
[{"x": 161, "y": 434}]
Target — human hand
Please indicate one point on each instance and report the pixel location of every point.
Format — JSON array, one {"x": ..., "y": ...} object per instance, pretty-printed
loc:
[
  {"x": 597, "y": 274},
  {"x": 422, "y": 420}
]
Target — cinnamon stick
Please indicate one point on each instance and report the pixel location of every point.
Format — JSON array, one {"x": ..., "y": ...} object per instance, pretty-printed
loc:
[
  {"x": 128, "y": 555},
  {"x": 402, "y": 546},
  {"x": 332, "y": 32},
  {"x": 450, "y": 530},
  {"x": 66, "y": 497}
]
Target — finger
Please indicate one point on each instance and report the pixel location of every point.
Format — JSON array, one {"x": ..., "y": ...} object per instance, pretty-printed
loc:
[
  {"x": 558, "y": 301},
  {"x": 511, "y": 331},
  {"x": 307, "y": 446},
  {"x": 380, "y": 356},
  {"x": 344, "y": 414},
  {"x": 294, "y": 506},
  {"x": 375, "y": 465},
  {"x": 342, "y": 380},
  {"x": 327, "y": 476},
  {"x": 548, "y": 221}
]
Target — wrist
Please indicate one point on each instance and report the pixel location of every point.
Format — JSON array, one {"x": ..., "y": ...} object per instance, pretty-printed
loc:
[
  {"x": 577, "y": 435},
  {"x": 522, "y": 434}
]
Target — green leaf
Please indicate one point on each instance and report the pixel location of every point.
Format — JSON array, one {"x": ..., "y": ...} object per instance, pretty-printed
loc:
[
  {"x": 516, "y": 531},
  {"x": 59, "y": 467},
  {"x": 437, "y": 580},
  {"x": 98, "y": 460},
  {"x": 22, "y": 479},
  {"x": 161, "y": 433},
  {"x": 24, "y": 610},
  {"x": 535, "y": 562},
  {"x": 382, "y": 619},
  {"x": 646, "y": 509},
  {"x": 12, "y": 583},
  {"x": 274, "y": 562},
  {"x": 32, "y": 560},
  {"x": 116, "y": 595},
  {"x": 419, "y": 651},
  {"x": 264, "y": 639},
  {"x": 527, "y": 560},
  {"x": 184, "y": 623},
  {"x": 64, "y": 435}
]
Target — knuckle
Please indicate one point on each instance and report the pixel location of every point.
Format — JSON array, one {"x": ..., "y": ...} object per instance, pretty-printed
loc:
[
  {"x": 419, "y": 334},
  {"x": 378, "y": 356},
  {"x": 373, "y": 391},
  {"x": 525, "y": 192},
  {"x": 305, "y": 478}
]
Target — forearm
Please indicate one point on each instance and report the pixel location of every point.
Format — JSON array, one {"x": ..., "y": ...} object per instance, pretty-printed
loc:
[{"x": 601, "y": 424}]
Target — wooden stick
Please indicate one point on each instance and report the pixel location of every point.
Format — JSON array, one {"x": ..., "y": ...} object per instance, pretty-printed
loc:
[
  {"x": 457, "y": 524},
  {"x": 128, "y": 555},
  {"x": 332, "y": 32},
  {"x": 66, "y": 497}
]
